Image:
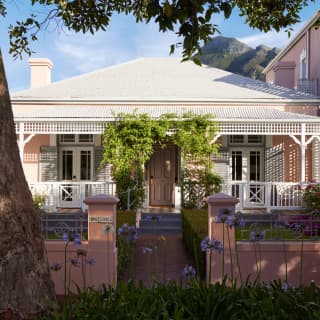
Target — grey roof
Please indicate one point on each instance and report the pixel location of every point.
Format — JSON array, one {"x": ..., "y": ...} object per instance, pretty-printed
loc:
[
  {"x": 159, "y": 79},
  {"x": 98, "y": 113}
]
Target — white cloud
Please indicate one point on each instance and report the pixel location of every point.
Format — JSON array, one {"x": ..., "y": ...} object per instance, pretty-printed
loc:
[{"x": 271, "y": 39}]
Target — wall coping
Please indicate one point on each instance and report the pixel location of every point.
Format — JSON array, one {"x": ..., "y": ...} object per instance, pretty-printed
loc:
[
  {"x": 220, "y": 198},
  {"x": 101, "y": 199}
]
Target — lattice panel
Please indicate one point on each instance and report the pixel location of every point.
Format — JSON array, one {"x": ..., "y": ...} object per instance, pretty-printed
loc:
[
  {"x": 63, "y": 127},
  {"x": 260, "y": 128},
  {"x": 225, "y": 128},
  {"x": 313, "y": 128}
]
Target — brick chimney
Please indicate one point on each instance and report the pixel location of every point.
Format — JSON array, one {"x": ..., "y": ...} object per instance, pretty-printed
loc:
[{"x": 40, "y": 72}]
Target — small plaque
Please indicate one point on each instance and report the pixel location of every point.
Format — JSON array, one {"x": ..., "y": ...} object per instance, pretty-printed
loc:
[{"x": 97, "y": 219}]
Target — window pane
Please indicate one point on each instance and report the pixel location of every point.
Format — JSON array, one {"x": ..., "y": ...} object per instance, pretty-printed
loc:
[
  {"x": 67, "y": 165},
  {"x": 67, "y": 138},
  {"x": 85, "y": 165},
  {"x": 236, "y": 165},
  {"x": 255, "y": 139},
  {"x": 236, "y": 139},
  {"x": 85, "y": 138}
]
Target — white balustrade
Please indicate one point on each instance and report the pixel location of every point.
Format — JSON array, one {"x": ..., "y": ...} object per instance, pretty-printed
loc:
[{"x": 70, "y": 194}]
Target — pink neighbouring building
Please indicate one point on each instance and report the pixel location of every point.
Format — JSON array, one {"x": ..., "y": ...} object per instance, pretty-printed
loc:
[
  {"x": 266, "y": 133},
  {"x": 297, "y": 66}
]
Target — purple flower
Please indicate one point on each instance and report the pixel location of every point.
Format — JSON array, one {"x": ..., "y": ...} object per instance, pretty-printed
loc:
[
  {"x": 286, "y": 286},
  {"x": 128, "y": 232},
  {"x": 56, "y": 266},
  {"x": 90, "y": 261},
  {"x": 230, "y": 222},
  {"x": 120, "y": 231},
  {"x": 75, "y": 262},
  {"x": 72, "y": 237},
  {"x": 212, "y": 245},
  {"x": 147, "y": 249},
  {"x": 189, "y": 272},
  {"x": 239, "y": 222},
  {"x": 258, "y": 235},
  {"x": 77, "y": 239},
  {"x": 65, "y": 236}
]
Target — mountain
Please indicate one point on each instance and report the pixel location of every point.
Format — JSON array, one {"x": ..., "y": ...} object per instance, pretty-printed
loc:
[{"x": 232, "y": 55}]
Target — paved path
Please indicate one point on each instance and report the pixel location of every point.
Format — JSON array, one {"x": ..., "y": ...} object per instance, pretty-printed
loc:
[{"x": 164, "y": 263}]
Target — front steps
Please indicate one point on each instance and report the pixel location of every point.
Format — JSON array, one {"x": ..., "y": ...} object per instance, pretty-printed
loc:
[{"x": 160, "y": 223}]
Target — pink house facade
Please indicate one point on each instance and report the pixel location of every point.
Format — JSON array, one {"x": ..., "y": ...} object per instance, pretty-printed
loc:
[
  {"x": 266, "y": 132},
  {"x": 298, "y": 65}
]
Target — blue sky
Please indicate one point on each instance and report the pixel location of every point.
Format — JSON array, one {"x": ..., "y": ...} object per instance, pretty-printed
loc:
[{"x": 74, "y": 54}]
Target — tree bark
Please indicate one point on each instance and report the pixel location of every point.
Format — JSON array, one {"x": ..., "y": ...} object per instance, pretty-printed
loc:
[{"x": 26, "y": 288}]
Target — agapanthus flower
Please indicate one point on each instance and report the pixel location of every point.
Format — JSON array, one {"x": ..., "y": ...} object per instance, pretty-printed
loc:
[
  {"x": 72, "y": 237},
  {"x": 146, "y": 249},
  {"x": 189, "y": 272},
  {"x": 212, "y": 245},
  {"x": 230, "y": 222},
  {"x": 56, "y": 266},
  {"x": 128, "y": 232},
  {"x": 90, "y": 261},
  {"x": 286, "y": 286},
  {"x": 258, "y": 235},
  {"x": 75, "y": 262},
  {"x": 240, "y": 222}
]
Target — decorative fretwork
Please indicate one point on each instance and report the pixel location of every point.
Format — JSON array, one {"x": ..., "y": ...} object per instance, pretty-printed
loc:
[
  {"x": 225, "y": 127},
  {"x": 62, "y": 127}
]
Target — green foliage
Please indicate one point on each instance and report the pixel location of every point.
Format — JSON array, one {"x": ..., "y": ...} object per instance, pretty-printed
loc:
[
  {"x": 191, "y": 20},
  {"x": 39, "y": 201},
  {"x": 130, "y": 190},
  {"x": 128, "y": 217},
  {"x": 311, "y": 198},
  {"x": 128, "y": 145},
  {"x": 196, "y": 301},
  {"x": 197, "y": 184},
  {"x": 195, "y": 229},
  {"x": 125, "y": 248},
  {"x": 128, "y": 142},
  {"x": 194, "y": 136}
]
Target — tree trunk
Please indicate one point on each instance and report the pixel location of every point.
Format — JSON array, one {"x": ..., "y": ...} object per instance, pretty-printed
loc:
[{"x": 26, "y": 287}]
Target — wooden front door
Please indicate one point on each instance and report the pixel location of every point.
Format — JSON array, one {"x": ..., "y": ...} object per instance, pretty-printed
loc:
[{"x": 162, "y": 174}]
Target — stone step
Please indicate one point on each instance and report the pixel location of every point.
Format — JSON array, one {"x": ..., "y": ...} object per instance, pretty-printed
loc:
[
  {"x": 160, "y": 216},
  {"x": 160, "y": 223},
  {"x": 160, "y": 231}
]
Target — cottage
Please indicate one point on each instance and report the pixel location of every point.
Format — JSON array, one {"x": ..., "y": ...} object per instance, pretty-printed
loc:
[{"x": 266, "y": 132}]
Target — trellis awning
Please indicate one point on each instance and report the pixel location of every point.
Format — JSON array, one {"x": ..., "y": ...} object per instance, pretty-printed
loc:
[{"x": 231, "y": 119}]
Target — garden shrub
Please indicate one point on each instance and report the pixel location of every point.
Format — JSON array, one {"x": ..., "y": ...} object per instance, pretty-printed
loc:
[
  {"x": 125, "y": 246},
  {"x": 311, "y": 198},
  {"x": 193, "y": 301},
  {"x": 195, "y": 229}
]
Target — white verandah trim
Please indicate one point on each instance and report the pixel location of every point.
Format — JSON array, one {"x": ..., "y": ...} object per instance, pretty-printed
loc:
[{"x": 305, "y": 129}]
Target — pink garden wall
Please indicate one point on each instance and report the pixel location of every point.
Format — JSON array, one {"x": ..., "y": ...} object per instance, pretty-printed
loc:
[
  {"x": 99, "y": 264},
  {"x": 296, "y": 262}
]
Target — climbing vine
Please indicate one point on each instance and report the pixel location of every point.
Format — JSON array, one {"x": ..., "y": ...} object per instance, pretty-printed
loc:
[{"x": 128, "y": 145}]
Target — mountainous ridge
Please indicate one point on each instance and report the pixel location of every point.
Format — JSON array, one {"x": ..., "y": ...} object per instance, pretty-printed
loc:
[{"x": 235, "y": 56}]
